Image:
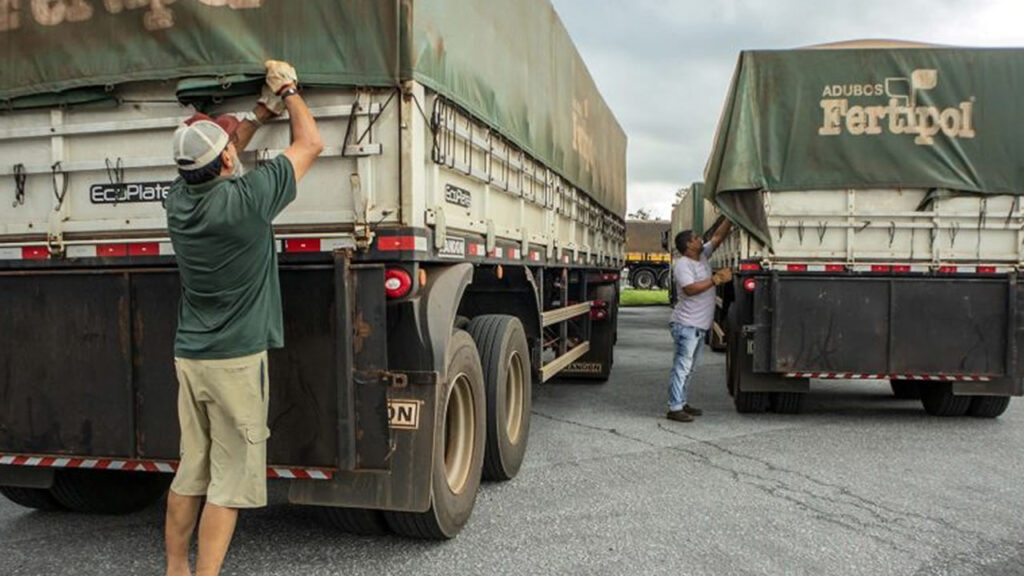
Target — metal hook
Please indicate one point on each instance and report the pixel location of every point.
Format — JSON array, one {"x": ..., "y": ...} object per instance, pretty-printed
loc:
[
  {"x": 59, "y": 193},
  {"x": 115, "y": 173},
  {"x": 800, "y": 231},
  {"x": 892, "y": 233},
  {"x": 954, "y": 229},
  {"x": 822, "y": 229},
  {"x": 19, "y": 185}
]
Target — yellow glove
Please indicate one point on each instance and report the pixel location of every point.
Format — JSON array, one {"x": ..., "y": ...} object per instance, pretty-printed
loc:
[
  {"x": 723, "y": 276},
  {"x": 271, "y": 101},
  {"x": 280, "y": 75}
]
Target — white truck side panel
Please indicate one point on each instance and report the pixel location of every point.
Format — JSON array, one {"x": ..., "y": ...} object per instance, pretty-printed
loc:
[
  {"x": 390, "y": 160},
  {"x": 885, "y": 226}
]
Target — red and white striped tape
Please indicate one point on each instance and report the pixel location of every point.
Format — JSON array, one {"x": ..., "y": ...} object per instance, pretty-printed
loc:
[
  {"x": 111, "y": 250},
  {"x": 881, "y": 268},
  {"x": 917, "y": 377},
  {"x": 145, "y": 466}
]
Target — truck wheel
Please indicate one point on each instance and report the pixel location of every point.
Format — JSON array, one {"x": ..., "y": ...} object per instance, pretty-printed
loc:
[
  {"x": 988, "y": 406},
  {"x": 938, "y": 400},
  {"x": 906, "y": 389},
  {"x": 745, "y": 402},
  {"x": 358, "y": 521},
  {"x": 665, "y": 280},
  {"x": 643, "y": 279},
  {"x": 459, "y": 454},
  {"x": 787, "y": 402},
  {"x": 505, "y": 358},
  {"x": 103, "y": 492},
  {"x": 37, "y": 498}
]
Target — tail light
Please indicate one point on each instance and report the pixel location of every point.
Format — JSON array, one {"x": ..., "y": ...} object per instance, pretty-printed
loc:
[
  {"x": 598, "y": 310},
  {"x": 397, "y": 283},
  {"x": 749, "y": 267},
  {"x": 750, "y": 284}
]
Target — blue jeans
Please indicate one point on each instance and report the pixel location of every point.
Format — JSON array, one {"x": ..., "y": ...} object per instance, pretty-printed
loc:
[{"x": 689, "y": 342}]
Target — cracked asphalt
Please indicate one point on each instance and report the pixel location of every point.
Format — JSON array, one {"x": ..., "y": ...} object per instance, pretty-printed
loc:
[{"x": 860, "y": 483}]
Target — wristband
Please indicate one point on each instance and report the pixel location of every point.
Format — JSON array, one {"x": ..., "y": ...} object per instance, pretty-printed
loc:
[
  {"x": 292, "y": 91},
  {"x": 252, "y": 118}
]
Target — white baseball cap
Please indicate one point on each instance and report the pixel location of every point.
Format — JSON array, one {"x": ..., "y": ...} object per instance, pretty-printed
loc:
[{"x": 201, "y": 139}]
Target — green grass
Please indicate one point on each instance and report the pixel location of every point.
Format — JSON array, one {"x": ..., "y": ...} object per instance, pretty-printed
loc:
[{"x": 643, "y": 298}]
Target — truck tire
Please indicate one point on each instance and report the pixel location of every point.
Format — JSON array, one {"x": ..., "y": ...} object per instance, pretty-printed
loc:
[
  {"x": 745, "y": 402},
  {"x": 37, "y": 498},
  {"x": 643, "y": 279},
  {"x": 665, "y": 280},
  {"x": 358, "y": 521},
  {"x": 103, "y": 492},
  {"x": 505, "y": 358},
  {"x": 988, "y": 406},
  {"x": 906, "y": 389},
  {"x": 461, "y": 436},
  {"x": 939, "y": 400},
  {"x": 787, "y": 402}
]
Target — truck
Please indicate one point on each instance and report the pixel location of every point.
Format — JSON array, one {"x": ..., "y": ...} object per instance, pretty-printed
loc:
[
  {"x": 459, "y": 241},
  {"x": 879, "y": 224},
  {"x": 692, "y": 211},
  {"x": 647, "y": 264}
]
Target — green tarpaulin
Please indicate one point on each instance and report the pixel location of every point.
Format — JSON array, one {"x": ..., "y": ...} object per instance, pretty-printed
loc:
[
  {"x": 933, "y": 118},
  {"x": 511, "y": 64}
]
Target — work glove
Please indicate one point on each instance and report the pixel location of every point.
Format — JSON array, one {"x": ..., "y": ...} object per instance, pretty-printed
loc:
[
  {"x": 280, "y": 75},
  {"x": 271, "y": 101},
  {"x": 723, "y": 276}
]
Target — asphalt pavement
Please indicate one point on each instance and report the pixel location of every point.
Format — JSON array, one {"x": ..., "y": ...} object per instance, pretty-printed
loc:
[{"x": 859, "y": 483}]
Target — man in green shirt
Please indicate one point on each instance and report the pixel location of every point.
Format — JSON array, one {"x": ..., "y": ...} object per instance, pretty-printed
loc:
[{"x": 229, "y": 315}]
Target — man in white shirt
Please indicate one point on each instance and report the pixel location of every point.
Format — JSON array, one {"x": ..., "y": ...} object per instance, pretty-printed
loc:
[{"x": 693, "y": 314}]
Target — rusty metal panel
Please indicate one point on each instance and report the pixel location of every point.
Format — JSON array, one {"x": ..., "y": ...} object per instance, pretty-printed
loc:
[
  {"x": 65, "y": 365},
  {"x": 154, "y": 317},
  {"x": 370, "y": 348},
  {"x": 303, "y": 405}
]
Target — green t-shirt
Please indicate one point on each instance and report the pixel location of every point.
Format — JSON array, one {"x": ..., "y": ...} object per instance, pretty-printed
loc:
[{"x": 221, "y": 231}]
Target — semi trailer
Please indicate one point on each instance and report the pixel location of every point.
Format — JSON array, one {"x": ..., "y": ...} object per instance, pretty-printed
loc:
[
  {"x": 876, "y": 191},
  {"x": 459, "y": 241},
  {"x": 647, "y": 265}
]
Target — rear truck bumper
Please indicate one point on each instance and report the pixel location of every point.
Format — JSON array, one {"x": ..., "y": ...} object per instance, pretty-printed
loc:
[{"x": 965, "y": 330}]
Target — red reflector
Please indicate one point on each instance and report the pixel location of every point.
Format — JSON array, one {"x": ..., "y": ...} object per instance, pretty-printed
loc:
[
  {"x": 397, "y": 283},
  {"x": 947, "y": 269},
  {"x": 835, "y": 268},
  {"x": 396, "y": 243},
  {"x": 35, "y": 253},
  {"x": 749, "y": 266},
  {"x": 598, "y": 314},
  {"x": 901, "y": 269},
  {"x": 599, "y": 304},
  {"x": 111, "y": 250},
  {"x": 750, "y": 284},
  {"x": 986, "y": 269},
  {"x": 144, "y": 249},
  {"x": 880, "y": 268},
  {"x": 302, "y": 245},
  {"x": 796, "y": 267}
]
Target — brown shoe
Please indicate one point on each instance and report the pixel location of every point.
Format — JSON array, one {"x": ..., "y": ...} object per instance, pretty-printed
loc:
[
  {"x": 692, "y": 411},
  {"x": 679, "y": 416}
]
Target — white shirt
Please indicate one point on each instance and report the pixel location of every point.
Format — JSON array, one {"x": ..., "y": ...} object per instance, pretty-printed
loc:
[{"x": 697, "y": 310}]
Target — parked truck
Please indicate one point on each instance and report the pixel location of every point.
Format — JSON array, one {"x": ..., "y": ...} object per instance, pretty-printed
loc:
[
  {"x": 459, "y": 240},
  {"x": 876, "y": 189},
  {"x": 647, "y": 264}
]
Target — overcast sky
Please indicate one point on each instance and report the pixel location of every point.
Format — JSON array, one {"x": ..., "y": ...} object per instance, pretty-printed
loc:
[{"x": 664, "y": 66}]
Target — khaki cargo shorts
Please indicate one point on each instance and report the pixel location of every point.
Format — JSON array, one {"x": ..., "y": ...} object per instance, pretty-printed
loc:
[{"x": 222, "y": 410}]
